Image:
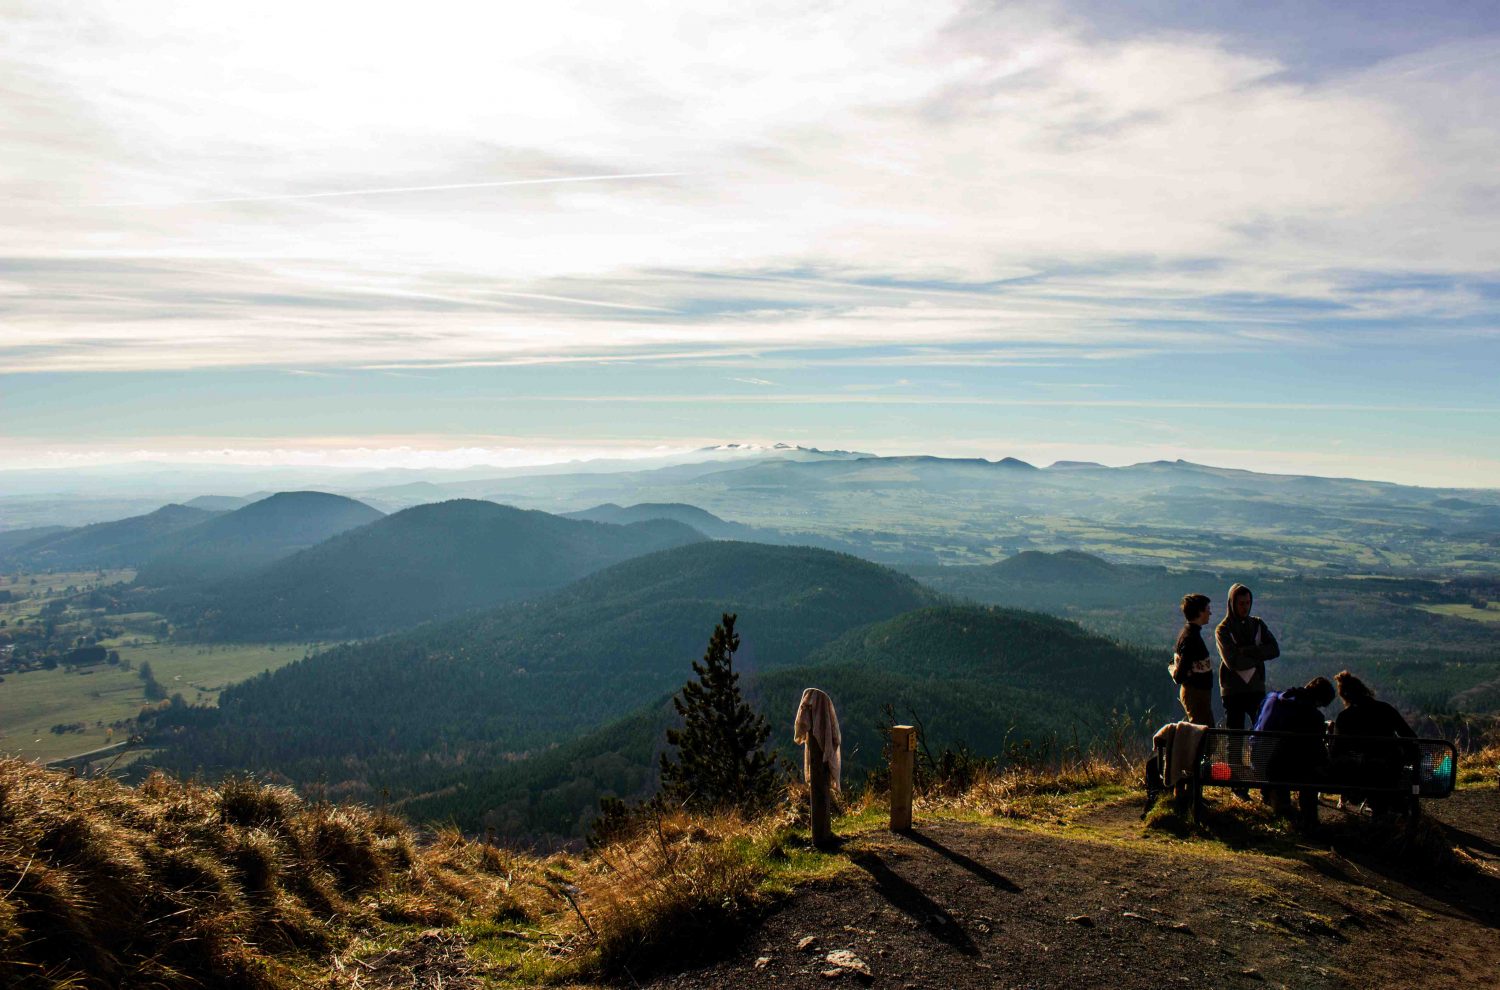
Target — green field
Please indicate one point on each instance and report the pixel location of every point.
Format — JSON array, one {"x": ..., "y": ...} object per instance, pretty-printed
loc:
[
  {"x": 1488, "y": 614},
  {"x": 31, "y": 703},
  {"x": 32, "y": 591}
]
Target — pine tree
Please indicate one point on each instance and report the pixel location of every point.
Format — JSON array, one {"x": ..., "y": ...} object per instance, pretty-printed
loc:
[{"x": 721, "y": 763}]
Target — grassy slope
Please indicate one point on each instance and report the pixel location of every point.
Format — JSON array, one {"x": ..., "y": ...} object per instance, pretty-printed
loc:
[
  {"x": 32, "y": 702},
  {"x": 1489, "y": 614},
  {"x": 266, "y": 892}
]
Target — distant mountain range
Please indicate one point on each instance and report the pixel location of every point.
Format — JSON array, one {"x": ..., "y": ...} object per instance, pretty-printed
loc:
[
  {"x": 424, "y": 563},
  {"x": 914, "y": 510}
]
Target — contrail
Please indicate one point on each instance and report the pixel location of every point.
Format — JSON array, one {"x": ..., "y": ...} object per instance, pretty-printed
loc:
[{"x": 410, "y": 189}]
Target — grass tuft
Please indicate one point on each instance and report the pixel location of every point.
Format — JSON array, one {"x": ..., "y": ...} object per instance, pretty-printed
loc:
[{"x": 177, "y": 885}]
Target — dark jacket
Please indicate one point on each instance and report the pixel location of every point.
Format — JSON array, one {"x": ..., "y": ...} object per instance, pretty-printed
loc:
[
  {"x": 1244, "y": 646},
  {"x": 1287, "y": 711},
  {"x": 1190, "y": 663},
  {"x": 1372, "y": 718}
]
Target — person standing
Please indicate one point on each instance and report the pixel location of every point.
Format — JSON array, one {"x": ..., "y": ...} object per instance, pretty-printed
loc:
[
  {"x": 1245, "y": 644},
  {"x": 1191, "y": 668}
]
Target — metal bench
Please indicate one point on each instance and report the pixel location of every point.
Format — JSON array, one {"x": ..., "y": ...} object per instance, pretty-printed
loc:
[{"x": 1404, "y": 770}]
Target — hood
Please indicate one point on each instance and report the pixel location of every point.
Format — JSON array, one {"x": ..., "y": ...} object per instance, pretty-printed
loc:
[{"x": 1235, "y": 589}]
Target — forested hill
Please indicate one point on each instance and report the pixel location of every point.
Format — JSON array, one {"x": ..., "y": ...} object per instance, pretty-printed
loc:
[
  {"x": 702, "y": 520},
  {"x": 396, "y": 713},
  {"x": 119, "y": 543},
  {"x": 423, "y": 563},
  {"x": 986, "y": 677},
  {"x": 1069, "y": 579},
  {"x": 250, "y": 538}
]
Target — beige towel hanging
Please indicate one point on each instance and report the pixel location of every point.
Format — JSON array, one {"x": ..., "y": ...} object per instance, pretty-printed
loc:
[{"x": 816, "y": 719}]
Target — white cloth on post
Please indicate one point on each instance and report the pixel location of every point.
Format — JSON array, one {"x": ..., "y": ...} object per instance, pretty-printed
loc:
[{"x": 816, "y": 719}]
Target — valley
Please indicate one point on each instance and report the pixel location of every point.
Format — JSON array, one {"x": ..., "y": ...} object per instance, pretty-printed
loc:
[{"x": 507, "y": 668}]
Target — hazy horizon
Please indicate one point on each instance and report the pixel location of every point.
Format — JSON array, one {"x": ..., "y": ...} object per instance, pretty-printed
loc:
[
  {"x": 1262, "y": 237},
  {"x": 274, "y": 465}
]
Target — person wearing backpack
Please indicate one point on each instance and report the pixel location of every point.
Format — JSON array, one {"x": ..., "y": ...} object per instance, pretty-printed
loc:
[{"x": 1191, "y": 669}]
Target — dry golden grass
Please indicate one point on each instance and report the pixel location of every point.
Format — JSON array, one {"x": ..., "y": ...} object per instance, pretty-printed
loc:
[
  {"x": 237, "y": 886},
  {"x": 670, "y": 887},
  {"x": 249, "y": 887},
  {"x": 1480, "y": 766},
  {"x": 1011, "y": 792}
]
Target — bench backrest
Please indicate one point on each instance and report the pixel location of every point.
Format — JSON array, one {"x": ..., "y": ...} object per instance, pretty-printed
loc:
[{"x": 1384, "y": 764}]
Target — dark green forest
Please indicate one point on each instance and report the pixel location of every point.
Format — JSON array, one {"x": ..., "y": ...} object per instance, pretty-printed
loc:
[
  {"x": 984, "y": 677},
  {"x": 120, "y": 543},
  {"x": 394, "y": 714},
  {"x": 424, "y": 563}
]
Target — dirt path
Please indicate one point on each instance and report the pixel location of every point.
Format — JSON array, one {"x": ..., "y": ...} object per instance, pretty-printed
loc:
[{"x": 1097, "y": 902}]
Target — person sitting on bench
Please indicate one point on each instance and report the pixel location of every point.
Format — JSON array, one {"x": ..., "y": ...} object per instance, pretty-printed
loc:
[
  {"x": 1294, "y": 710},
  {"x": 1364, "y": 759}
]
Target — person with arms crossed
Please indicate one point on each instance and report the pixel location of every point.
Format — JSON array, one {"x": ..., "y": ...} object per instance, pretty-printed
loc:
[{"x": 1245, "y": 644}]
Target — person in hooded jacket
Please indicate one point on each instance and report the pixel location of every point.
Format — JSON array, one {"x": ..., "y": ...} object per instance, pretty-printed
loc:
[
  {"x": 1245, "y": 644},
  {"x": 1297, "y": 710}
]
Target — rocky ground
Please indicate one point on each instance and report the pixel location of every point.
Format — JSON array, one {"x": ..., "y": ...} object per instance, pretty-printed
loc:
[{"x": 1097, "y": 901}]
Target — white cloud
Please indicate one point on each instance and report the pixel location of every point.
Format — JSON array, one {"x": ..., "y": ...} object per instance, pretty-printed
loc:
[{"x": 1108, "y": 184}]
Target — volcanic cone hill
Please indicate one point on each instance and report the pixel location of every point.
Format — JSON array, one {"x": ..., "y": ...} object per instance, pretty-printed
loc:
[
  {"x": 427, "y": 562},
  {"x": 247, "y": 539}
]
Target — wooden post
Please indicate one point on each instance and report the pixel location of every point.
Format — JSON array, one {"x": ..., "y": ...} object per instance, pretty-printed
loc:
[
  {"x": 903, "y": 750},
  {"x": 822, "y": 831}
]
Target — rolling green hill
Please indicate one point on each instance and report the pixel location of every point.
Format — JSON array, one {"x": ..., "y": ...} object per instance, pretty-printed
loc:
[
  {"x": 10, "y": 539},
  {"x": 986, "y": 677},
  {"x": 126, "y": 542},
  {"x": 423, "y": 563},
  {"x": 250, "y": 538},
  {"x": 399, "y": 712},
  {"x": 703, "y": 521}
]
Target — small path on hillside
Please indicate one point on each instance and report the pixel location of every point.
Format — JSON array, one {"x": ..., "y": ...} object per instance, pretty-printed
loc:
[{"x": 1097, "y": 902}]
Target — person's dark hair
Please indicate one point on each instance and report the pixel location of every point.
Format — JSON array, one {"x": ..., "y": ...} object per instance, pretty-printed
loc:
[
  {"x": 1352, "y": 689},
  {"x": 1319, "y": 691},
  {"x": 1193, "y": 605}
]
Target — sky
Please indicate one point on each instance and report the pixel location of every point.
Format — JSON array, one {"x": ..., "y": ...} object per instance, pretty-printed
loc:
[{"x": 1257, "y": 235}]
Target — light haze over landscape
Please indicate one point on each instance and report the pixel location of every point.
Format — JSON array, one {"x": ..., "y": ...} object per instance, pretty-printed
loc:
[
  {"x": 363, "y": 236},
  {"x": 749, "y": 496}
]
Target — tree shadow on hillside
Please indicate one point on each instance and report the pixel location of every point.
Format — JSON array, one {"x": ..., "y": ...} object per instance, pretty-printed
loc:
[{"x": 909, "y": 899}]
